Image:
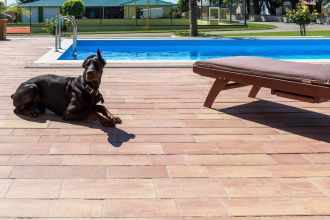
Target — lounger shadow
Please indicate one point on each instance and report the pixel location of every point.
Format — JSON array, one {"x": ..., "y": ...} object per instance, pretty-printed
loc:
[{"x": 283, "y": 117}]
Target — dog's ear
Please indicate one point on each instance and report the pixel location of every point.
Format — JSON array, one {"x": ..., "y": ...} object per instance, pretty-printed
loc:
[
  {"x": 99, "y": 57},
  {"x": 87, "y": 61}
]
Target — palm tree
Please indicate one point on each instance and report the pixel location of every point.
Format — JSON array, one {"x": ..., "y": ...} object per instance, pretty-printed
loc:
[{"x": 193, "y": 18}]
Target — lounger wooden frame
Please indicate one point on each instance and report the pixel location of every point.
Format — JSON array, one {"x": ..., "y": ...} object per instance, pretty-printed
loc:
[{"x": 302, "y": 91}]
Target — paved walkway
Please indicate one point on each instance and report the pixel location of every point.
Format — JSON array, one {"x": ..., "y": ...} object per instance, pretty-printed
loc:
[
  {"x": 171, "y": 158},
  {"x": 280, "y": 27}
]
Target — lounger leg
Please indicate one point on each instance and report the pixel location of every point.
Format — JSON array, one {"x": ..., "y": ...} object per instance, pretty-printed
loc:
[
  {"x": 254, "y": 91},
  {"x": 218, "y": 85}
]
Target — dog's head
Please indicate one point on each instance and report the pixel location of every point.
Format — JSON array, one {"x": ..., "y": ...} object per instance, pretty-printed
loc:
[{"x": 93, "y": 66}]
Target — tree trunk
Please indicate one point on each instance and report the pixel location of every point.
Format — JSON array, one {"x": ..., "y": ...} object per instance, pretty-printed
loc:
[
  {"x": 248, "y": 5},
  {"x": 301, "y": 30},
  {"x": 230, "y": 11},
  {"x": 304, "y": 30},
  {"x": 256, "y": 7},
  {"x": 193, "y": 18}
]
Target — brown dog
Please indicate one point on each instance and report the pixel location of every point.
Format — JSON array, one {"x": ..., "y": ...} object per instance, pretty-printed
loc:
[{"x": 70, "y": 97}]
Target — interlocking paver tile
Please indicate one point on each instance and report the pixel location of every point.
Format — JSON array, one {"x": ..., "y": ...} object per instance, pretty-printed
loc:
[
  {"x": 269, "y": 187},
  {"x": 300, "y": 170},
  {"x": 23, "y": 148},
  {"x": 70, "y": 148},
  {"x": 50, "y": 208},
  {"x": 315, "y": 206},
  {"x": 34, "y": 188},
  {"x": 167, "y": 160},
  {"x": 250, "y": 159},
  {"x": 187, "y": 171},
  {"x": 188, "y": 188},
  {"x": 201, "y": 207},
  {"x": 30, "y": 160},
  {"x": 82, "y": 160},
  {"x": 140, "y": 208},
  {"x": 238, "y": 171},
  {"x": 137, "y": 172},
  {"x": 190, "y": 148},
  {"x": 99, "y": 189},
  {"x": 56, "y": 172},
  {"x": 4, "y": 185},
  {"x": 323, "y": 184},
  {"x": 263, "y": 206},
  {"x": 128, "y": 148}
]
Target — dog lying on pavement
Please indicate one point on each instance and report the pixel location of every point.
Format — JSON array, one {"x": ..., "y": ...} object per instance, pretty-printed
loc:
[{"x": 70, "y": 97}]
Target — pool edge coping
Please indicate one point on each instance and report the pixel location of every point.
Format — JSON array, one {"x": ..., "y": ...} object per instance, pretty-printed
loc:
[{"x": 50, "y": 58}]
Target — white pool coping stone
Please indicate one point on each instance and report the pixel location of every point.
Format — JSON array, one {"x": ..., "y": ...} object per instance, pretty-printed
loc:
[{"x": 50, "y": 59}]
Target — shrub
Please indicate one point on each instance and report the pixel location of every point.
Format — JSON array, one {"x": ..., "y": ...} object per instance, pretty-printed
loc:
[
  {"x": 301, "y": 16},
  {"x": 50, "y": 26},
  {"x": 2, "y": 8},
  {"x": 73, "y": 8}
]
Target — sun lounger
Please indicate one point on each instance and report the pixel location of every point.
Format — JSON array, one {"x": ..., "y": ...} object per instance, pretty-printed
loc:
[{"x": 300, "y": 81}]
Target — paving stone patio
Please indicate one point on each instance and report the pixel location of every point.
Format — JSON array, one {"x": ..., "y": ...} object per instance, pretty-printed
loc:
[{"x": 265, "y": 159}]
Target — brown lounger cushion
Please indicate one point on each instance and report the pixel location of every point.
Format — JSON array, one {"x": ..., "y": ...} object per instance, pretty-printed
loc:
[{"x": 294, "y": 71}]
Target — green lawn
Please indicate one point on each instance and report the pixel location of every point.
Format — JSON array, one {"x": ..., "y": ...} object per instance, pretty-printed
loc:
[
  {"x": 251, "y": 26},
  {"x": 321, "y": 33},
  {"x": 180, "y": 30}
]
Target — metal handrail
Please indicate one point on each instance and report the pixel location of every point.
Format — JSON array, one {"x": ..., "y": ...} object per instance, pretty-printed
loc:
[{"x": 58, "y": 24}]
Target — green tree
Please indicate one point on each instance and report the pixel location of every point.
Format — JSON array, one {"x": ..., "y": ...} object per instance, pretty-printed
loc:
[
  {"x": 2, "y": 8},
  {"x": 301, "y": 16},
  {"x": 73, "y": 8},
  {"x": 15, "y": 9},
  {"x": 182, "y": 6}
]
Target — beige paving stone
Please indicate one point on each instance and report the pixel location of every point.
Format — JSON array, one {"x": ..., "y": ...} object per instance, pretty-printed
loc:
[
  {"x": 97, "y": 189},
  {"x": 34, "y": 188},
  {"x": 140, "y": 208}
]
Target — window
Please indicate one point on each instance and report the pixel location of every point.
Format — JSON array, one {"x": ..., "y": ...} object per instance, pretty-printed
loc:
[
  {"x": 114, "y": 12},
  {"x": 93, "y": 12}
]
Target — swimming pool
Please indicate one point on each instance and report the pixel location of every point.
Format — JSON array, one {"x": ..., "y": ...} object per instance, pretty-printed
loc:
[{"x": 196, "y": 49}]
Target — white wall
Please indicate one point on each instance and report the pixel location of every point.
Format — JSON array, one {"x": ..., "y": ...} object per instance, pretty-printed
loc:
[
  {"x": 34, "y": 16},
  {"x": 51, "y": 12}
]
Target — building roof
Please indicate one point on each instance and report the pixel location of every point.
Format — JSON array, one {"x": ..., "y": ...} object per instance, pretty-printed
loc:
[
  {"x": 96, "y": 3},
  {"x": 151, "y": 2}
]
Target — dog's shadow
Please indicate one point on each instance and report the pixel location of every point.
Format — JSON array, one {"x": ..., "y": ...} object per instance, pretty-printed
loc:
[{"x": 116, "y": 136}]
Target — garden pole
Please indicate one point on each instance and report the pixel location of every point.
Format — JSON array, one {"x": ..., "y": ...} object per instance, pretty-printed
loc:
[
  {"x": 201, "y": 13},
  {"x": 30, "y": 20},
  {"x": 245, "y": 12},
  {"x": 135, "y": 13},
  {"x": 100, "y": 14},
  {"x": 148, "y": 14},
  {"x": 172, "y": 15}
]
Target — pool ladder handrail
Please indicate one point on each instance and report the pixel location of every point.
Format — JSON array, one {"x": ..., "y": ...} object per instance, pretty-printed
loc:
[{"x": 58, "y": 25}]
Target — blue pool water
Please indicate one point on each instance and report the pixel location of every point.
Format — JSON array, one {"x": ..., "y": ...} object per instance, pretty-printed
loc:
[{"x": 202, "y": 49}]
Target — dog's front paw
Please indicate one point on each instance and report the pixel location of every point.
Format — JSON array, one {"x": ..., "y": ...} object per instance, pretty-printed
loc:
[
  {"x": 108, "y": 123},
  {"x": 116, "y": 119},
  {"x": 32, "y": 112}
]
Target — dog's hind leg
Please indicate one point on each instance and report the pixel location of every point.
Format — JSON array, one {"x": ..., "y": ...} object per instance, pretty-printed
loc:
[{"x": 26, "y": 100}]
